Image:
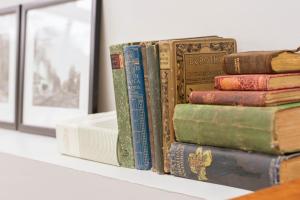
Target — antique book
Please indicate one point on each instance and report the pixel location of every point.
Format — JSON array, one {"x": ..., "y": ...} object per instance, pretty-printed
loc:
[
  {"x": 148, "y": 101},
  {"x": 262, "y": 62},
  {"x": 138, "y": 106},
  {"x": 246, "y": 98},
  {"x": 187, "y": 65},
  {"x": 272, "y": 130},
  {"x": 94, "y": 137},
  {"x": 288, "y": 190},
  {"x": 155, "y": 105},
  {"x": 258, "y": 81},
  {"x": 233, "y": 168},
  {"x": 125, "y": 150}
]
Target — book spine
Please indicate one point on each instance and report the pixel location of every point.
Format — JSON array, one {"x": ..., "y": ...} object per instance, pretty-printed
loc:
[
  {"x": 155, "y": 105},
  {"x": 148, "y": 99},
  {"x": 138, "y": 106},
  {"x": 224, "y": 166},
  {"x": 235, "y": 127},
  {"x": 125, "y": 140},
  {"x": 248, "y": 64},
  {"x": 242, "y": 82},
  {"x": 167, "y": 99},
  {"x": 241, "y": 98}
]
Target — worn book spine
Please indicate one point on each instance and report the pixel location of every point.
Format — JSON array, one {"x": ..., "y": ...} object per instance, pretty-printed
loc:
[
  {"x": 125, "y": 140},
  {"x": 241, "y": 98},
  {"x": 249, "y": 63},
  {"x": 233, "y": 168},
  {"x": 155, "y": 105},
  {"x": 243, "y": 82},
  {"x": 235, "y": 127},
  {"x": 255, "y": 82},
  {"x": 167, "y": 98},
  {"x": 148, "y": 99},
  {"x": 138, "y": 106}
]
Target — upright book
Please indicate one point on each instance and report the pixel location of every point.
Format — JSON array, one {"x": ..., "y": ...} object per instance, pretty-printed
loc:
[
  {"x": 125, "y": 149},
  {"x": 187, "y": 65},
  {"x": 233, "y": 168},
  {"x": 263, "y": 62},
  {"x": 138, "y": 106},
  {"x": 153, "y": 68},
  {"x": 272, "y": 130}
]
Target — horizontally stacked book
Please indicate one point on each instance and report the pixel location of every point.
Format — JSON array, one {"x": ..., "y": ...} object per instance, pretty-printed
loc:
[
  {"x": 246, "y": 133},
  {"x": 150, "y": 78}
]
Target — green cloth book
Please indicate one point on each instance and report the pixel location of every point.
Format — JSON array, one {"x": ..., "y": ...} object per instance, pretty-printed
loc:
[
  {"x": 125, "y": 147},
  {"x": 272, "y": 130}
]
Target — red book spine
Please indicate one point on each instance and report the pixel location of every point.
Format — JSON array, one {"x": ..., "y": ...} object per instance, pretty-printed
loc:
[
  {"x": 242, "y": 98},
  {"x": 242, "y": 82}
]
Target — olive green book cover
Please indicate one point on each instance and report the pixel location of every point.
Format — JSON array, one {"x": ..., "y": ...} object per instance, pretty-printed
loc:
[
  {"x": 125, "y": 142},
  {"x": 271, "y": 130}
]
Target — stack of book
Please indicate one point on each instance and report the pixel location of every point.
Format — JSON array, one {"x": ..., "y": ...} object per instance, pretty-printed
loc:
[
  {"x": 150, "y": 78},
  {"x": 246, "y": 133}
]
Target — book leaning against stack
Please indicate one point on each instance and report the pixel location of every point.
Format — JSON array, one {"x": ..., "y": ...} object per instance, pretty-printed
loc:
[{"x": 246, "y": 133}]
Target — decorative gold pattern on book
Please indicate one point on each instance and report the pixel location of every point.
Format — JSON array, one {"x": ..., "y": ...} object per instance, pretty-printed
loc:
[
  {"x": 199, "y": 161},
  {"x": 237, "y": 65},
  {"x": 197, "y": 63},
  {"x": 165, "y": 116}
]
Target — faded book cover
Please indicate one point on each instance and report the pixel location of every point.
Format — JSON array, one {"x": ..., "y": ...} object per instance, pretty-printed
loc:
[
  {"x": 258, "y": 129},
  {"x": 187, "y": 65},
  {"x": 148, "y": 99},
  {"x": 125, "y": 140},
  {"x": 246, "y": 98},
  {"x": 138, "y": 106},
  {"x": 155, "y": 105},
  {"x": 251, "y": 171},
  {"x": 258, "y": 81}
]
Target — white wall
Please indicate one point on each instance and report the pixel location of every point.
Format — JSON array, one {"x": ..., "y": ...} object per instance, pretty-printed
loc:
[{"x": 255, "y": 24}]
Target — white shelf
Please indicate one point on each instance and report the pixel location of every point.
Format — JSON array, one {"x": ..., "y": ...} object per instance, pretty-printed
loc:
[{"x": 45, "y": 149}]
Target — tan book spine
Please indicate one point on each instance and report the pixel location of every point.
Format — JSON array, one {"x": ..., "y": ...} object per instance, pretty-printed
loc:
[{"x": 167, "y": 98}]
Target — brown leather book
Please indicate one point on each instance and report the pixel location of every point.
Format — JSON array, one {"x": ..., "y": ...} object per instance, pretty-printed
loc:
[
  {"x": 186, "y": 65},
  {"x": 286, "y": 191},
  {"x": 258, "y": 81},
  {"x": 246, "y": 98},
  {"x": 262, "y": 62}
]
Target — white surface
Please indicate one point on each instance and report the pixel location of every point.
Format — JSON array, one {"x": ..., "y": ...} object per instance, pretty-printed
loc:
[
  {"x": 255, "y": 24},
  {"x": 44, "y": 149}
]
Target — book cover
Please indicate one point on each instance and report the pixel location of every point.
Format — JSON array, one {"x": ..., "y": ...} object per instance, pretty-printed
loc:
[
  {"x": 187, "y": 65},
  {"x": 246, "y": 98},
  {"x": 138, "y": 106},
  {"x": 155, "y": 105},
  {"x": 125, "y": 147},
  {"x": 148, "y": 100},
  {"x": 262, "y": 62},
  {"x": 233, "y": 168},
  {"x": 259, "y": 129},
  {"x": 257, "y": 82}
]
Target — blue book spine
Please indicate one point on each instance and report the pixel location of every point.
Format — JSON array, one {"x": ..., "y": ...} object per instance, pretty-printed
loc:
[{"x": 138, "y": 106}]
